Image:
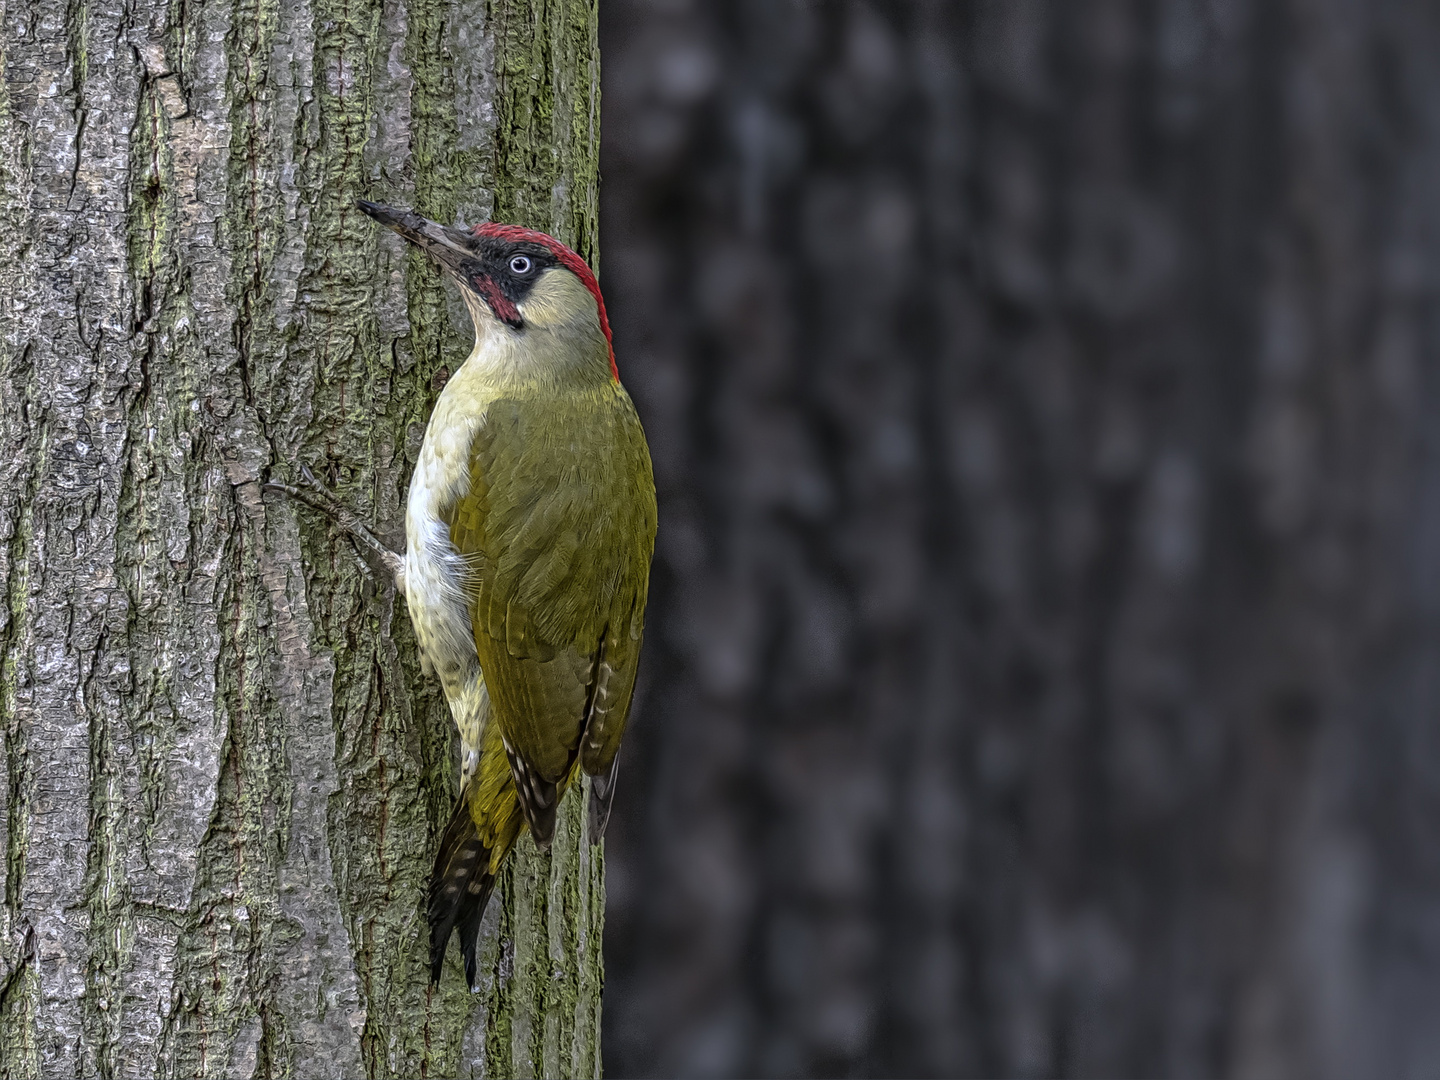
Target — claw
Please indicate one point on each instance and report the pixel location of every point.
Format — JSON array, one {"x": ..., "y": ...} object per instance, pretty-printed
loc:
[{"x": 321, "y": 498}]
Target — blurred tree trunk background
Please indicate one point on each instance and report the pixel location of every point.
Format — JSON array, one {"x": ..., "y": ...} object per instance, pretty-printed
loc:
[
  {"x": 1044, "y": 663},
  {"x": 222, "y": 770}
]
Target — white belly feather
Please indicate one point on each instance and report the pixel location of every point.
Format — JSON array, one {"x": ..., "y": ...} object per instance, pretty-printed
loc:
[{"x": 435, "y": 572}]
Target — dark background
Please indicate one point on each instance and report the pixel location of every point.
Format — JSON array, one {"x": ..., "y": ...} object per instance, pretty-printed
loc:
[{"x": 1042, "y": 664}]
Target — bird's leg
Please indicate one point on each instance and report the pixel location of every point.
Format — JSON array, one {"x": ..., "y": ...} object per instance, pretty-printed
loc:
[{"x": 317, "y": 496}]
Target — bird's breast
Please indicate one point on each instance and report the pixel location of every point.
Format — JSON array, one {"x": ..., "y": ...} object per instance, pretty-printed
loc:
[{"x": 434, "y": 570}]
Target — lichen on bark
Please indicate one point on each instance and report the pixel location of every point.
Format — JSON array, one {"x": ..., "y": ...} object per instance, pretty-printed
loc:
[{"x": 223, "y": 769}]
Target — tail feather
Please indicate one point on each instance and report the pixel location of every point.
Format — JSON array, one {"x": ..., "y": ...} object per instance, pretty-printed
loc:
[
  {"x": 460, "y": 887},
  {"x": 470, "y": 932}
]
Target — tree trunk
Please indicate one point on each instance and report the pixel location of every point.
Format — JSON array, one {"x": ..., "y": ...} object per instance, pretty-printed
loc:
[
  {"x": 223, "y": 770},
  {"x": 1046, "y": 418}
]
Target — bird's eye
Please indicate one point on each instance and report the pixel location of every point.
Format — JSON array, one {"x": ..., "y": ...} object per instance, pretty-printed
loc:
[{"x": 520, "y": 264}]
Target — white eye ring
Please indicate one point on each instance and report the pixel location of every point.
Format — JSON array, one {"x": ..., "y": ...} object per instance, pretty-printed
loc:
[{"x": 520, "y": 264}]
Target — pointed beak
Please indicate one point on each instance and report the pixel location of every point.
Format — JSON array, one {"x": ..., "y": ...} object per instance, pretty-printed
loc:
[{"x": 450, "y": 247}]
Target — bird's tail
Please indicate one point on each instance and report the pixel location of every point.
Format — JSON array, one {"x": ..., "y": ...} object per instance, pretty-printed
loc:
[
  {"x": 483, "y": 828},
  {"x": 460, "y": 887}
]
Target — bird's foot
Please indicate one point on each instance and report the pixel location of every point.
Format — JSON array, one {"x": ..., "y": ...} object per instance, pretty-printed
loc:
[{"x": 376, "y": 553}]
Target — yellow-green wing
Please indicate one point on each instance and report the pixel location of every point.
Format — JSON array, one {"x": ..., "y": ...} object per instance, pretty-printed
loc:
[{"x": 557, "y": 529}]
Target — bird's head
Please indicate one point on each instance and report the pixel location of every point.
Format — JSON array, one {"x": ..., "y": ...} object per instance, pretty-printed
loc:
[{"x": 516, "y": 282}]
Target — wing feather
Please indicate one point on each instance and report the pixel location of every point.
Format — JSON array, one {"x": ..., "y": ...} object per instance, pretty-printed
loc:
[{"x": 557, "y": 529}]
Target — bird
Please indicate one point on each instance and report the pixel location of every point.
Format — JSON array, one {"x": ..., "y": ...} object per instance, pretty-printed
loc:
[{"x": 530, "y": 528}]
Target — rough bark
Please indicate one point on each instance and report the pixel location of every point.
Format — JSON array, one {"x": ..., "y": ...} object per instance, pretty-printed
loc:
[
  {"x": 1042, "y": 668},
  {"x": 222, "y": 768}
]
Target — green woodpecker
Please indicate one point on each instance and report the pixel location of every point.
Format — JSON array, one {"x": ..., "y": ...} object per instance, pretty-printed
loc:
[{"x": 530, "y": 527}]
